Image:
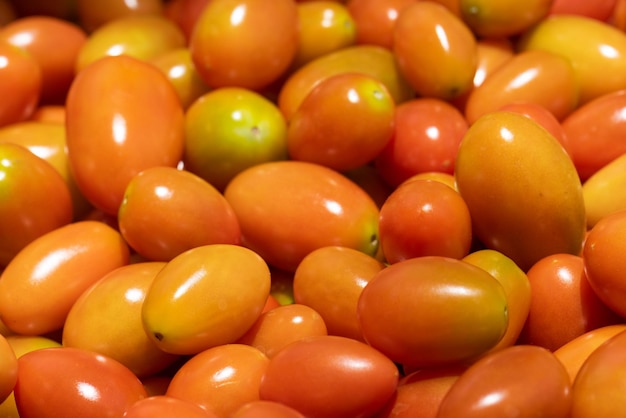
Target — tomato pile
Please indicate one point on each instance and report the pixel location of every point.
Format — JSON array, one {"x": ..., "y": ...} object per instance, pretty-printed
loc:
[{"x": 312, "y": 208}]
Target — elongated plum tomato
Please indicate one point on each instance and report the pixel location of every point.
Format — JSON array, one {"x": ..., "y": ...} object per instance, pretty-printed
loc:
[
  {"x": 503, "y": 18},
  {"x": 167, "y": 211},
  {"x": 207, "y": 296},
  {"x": 521, "y": 187},
  {"x": 432, "y": 311},
  {"x": 74, "y": 382},
  {"x": 522, "y": 380},
  {"x": 34, "y": 199},
  {"x": 294, "y": 194},
  {"x": 244, "y": 43},
  {"x": 40, "y": 285},
  {"x": 8, "y": 369},
  {"x": 138, "y": 123},
  {"x": 343, "y": 378}
]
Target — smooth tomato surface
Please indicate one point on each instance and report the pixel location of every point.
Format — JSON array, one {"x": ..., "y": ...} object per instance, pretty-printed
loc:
[
  {"x": 160, "y": 405},
  {"x": 20, "y": 81},
  {"x": 376, "y": 19},
  {"x": 266, "y": 409},
  {"x": 8, "y": 369},
  {"x": 501, "y": 19}
]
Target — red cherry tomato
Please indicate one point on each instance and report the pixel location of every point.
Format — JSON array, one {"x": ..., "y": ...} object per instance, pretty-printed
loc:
[{"x": 375, "y": 20}]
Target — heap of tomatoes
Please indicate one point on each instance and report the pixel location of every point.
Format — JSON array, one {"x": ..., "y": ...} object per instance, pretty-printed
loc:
[{"x": 312, "y": 208}]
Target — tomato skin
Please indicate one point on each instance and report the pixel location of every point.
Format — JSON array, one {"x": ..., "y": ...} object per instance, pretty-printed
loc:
[
  {"x": 522, "y": 380},
  {"x": 8, "y": 369},
  {"x": 244, "y": 43},
  {"x": 112, "y": 142},
  {"x": 92, "y": 15},
  {"x": 343, "y": 377},
  {"x": 35, "y": 200},
  {"x": 21, "y": 81},
  {"x": 438, "y": 68},
  {"x": 501, "y": 19},
  {"x": 40, "y": 285},
  {"x": 220, "y": 379},
  {"x": 418, "y": 312},
  {"x": 263, "y": 196},
  {"x": 424, "y": 217},
  {"x": 375, "y": 20},
  {"x": 600, "y": 10},
  {"x": 604, "y": 191},
  {"x": 67, "y": 381},
  {"x": 266, "y": 409},
  {"x": 159, "y": 406},
  {"x": 166, "y": 211}
]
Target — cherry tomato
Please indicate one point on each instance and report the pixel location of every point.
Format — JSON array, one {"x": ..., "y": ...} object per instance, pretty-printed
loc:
[
  {"x": 343, "y": 123},
  {"x": 176, "y": 313},
  {"x": 275, "y": 193},
  {"x": 496, "y": 19},
  {"x": 540, "y": 77},
  {"x": 35, "y": 199},
  {"x": 147, "y": 217},
  {"x": 604, "y": 191},
  {"x": 244, "y": 43},
  {"x": 375, "y": 20},
  {"x": 8, "y": 369},
  {"x": 40, "y": 285},
  {"x": 92, "y": 15},
  {"x": 20, "y": 82},
  {"x": 600, "y": 10},
  {"x": 55, "y": 44},
  {"x": 427, "y": 134},
  {"x": 330, "y": 280},
  {"x": 159, "y": 406},
  {"x": 266, "y": 409},
  {"x": 73, "y": 382},
  {"x": 341, "y": 377},
  {"x": 444, "y": 64},
  {"x": 220, "y": 379},
  {"x": 522, "y": 380},
  {"x": 108, "y": 144},
  {"x": 432, "y": 311},
  {"x": 424, "y": 217}
]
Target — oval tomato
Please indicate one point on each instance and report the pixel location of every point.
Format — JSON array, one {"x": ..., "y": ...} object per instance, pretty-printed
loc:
[
  {"x": 20, "y": 81},
  {"x": 376, "y": 19},
  {"x": 108, "y": 144}
]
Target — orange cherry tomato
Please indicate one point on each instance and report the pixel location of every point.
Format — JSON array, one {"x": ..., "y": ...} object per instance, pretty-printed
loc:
[
  {"x": 108, "y": 144},
  {"x": 375, "y": 20},
  {"x": 40, "y": 285},
  {"x": 574, "y": 353},
  {"x": 343, "y": 123},
  {"x": 244, "y": 43},
  {"x": 424, "y": 217},
  {"x": 502, "y": 18},
  {"x": 603, "y": 264},
  {"x": 70, "y": 381},
  {"x": 283, "y": 325},
  {"x": 146, "y": 218},
  {"x": 432, "y": 311},
  {"x": 93, "y": 323},
  {"x": 8, "y": 369},
  {"x": 55, "y": 44},
  {"x": 427, "y": 135},
  {"x": 562, "y": 305},
  {"x": 271, "y": 194},
  {"x": 522, "y": 380},
  {"x": 159, "y": 406},
  {"x": 330, "y": 280},
  {"x": 343, "y": 378},
  {"x": 266, "y": 409},
  {"x": 600, "y": 10},
  {"x": 540, "y": 77},
  {"x": 34, "y": 199},
  {"x": 444, "y": 64},
  {"x": 369, "y": 179},
  {"x": 20, "y": 82},
  {"x": 220, "y": 379},
  {"x": 92, "y": 15}
]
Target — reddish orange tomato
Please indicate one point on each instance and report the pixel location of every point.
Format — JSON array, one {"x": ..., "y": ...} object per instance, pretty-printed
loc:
[
  {"x": 49, "y": 113},
  {"x": 40, "y": 285},
  {"x": 220, "y": 379},
  {"x": 271, "y": 194},
  {"x": 424, "y": 217},
  {"x": 618, "y": 15},
  {"x": 283, "y": 325},
  {"x": 92, "y": 15},
  {"x": 600, "y": 10},
  {"x": 501, "y": 19},
  {"x": 599, "y": 385},
  {"x": 55, "y": 44},
  {"x": 574, "y": 353},
  {"x": 20, "y": 82},
  {"x": 112, "y": 142},
  {"x": 444, "y": 64},
  {"x": 595, "y": 132},
  {"x": 159, "y": 406},
  {"x": 537, "y": 76},
  {"x": 166, "y": 211},
  {"x": 71, "y": 381},
  {"x": 562, "y": 305},
  {"x": 522, "y": 380},
  {"x": 343, "y": 123},
  {"x": 34, "y": 199},
  {"x": 432, "y": 311},
  {"x": 8, "y": 369},
  {"x": 427, "y": 134},
  {"x": 375, "y": 20},
  {"x": 603, "y": 264},
  {"x": 343, "y": 378},
  {"x": 330, "y": 280},
  {"x": 244, "y": 43},
  {"x": 266, "y": 409},
  {"x": 184, "y": 13}
]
